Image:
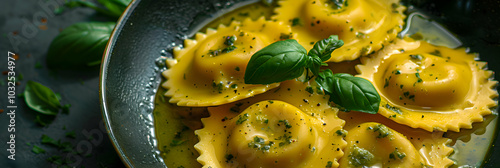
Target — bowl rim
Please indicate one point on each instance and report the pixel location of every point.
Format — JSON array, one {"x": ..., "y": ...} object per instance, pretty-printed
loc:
[{"x": 102, "y": 80}]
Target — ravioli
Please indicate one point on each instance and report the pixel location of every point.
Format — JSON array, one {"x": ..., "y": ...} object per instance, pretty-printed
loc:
[
  {"x": 210, "y": 69},
  {"x": 374, "y": 144},
  {"x": 432, "y": 147},
  {"x": 423, "y": 85},
  {"x": 269, "y": 133},
  {"x": 365, "y": 26}
]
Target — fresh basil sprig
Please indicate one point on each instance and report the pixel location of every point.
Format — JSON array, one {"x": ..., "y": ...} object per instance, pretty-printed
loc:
[
  {"x": 352, "y": 93},
  {"x": 80, "y": 45},
  {"x": 285, "y": 60},
  {"x": 41, "y": 99}
]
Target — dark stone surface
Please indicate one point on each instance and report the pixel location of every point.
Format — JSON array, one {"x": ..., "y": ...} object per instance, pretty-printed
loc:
[{"x": 36, "y": 27}]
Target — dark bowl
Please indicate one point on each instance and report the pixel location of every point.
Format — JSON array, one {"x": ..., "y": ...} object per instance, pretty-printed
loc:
[{"x": 148, "y": 28}]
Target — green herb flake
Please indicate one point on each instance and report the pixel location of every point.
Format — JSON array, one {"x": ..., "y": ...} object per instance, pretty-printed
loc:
[
  {"x": 37, "y": 150},
  {"x": 230, "y": 40},
  {"x": 310, "y": 89},
  {"x": 382, "y": 130},
  {"x": 236, "y": 108},
  {"x": 286, "y": 123},
  {"x": 341, "y": 132},
  {"x": 360, "y": 35},
  {"x": 244, "y": 14},
  {"x": 360, "y": 157},
  {"x": 65, "y": 108},
  {"x": 228, "y": 157},
  {"x": 392, "y": 108},
  {"x": 40, "y": 121},
  {"x": 20, "y": 77},
  {"x": 56, "y": 159},
  {"x": 397, "y": 72},
  {"x": 396, "y": 154},
  {"x": 386, "y": 84},
  {"x": 416, "y": 57},
  {"x": 436, "y": 53},
  {"x": 219, "y": 87},
  {"x": 337, "y": 4},
  {"x": 284, "y": 36},
  {"x": 260, "y": 144},
  {"x": 242, "y": 119},
  {"x": 329, "y": 164},
  {"x": 48, "y": 140},
  {"x": 176, "y": 142},
  {"x": 228, "y": 49},
  {"x": 296, "y": 22},
  {"x": 418, "y": 77},
  {"x": 38, "y": 65}
]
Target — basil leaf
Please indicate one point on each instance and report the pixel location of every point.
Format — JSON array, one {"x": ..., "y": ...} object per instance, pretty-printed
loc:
[
  {"x": 325, "y": 80},
  {"x": 280, "y": 61},
  {"x": 41, "y": 99},
  {"x": 354, "y": 93},
  {"x": 116, "y": 7},
  {"x": 79, "y": 45},
  {"x": 324, "y": 48}
]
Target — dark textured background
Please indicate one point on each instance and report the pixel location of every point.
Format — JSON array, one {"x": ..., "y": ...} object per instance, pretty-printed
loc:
[{"x": 80, "y": 89}]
